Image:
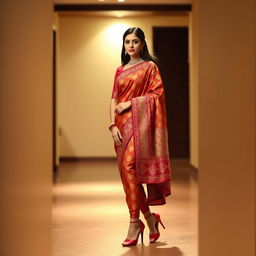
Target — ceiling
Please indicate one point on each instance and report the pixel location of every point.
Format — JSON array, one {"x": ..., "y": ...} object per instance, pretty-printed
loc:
[
  {"x": 126, "y": 2},
  {"x": 124, "y": 13}
]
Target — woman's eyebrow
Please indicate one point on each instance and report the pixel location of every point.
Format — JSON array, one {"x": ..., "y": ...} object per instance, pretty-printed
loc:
[{"x": 127, "y": 40}]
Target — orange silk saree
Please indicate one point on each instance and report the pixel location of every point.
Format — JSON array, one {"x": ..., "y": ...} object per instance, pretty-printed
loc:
[{"x": 146, "y": 122}]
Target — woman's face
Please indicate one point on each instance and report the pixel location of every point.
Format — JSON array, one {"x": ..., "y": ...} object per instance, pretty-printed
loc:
[{"x": 133, "y": 45}]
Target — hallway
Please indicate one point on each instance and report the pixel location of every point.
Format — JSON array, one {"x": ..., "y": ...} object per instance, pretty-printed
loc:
[{"x": 90, "y": 216}]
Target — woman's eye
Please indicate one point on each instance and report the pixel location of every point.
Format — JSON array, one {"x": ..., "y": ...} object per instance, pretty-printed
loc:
[{"x": 134, "y": 41}]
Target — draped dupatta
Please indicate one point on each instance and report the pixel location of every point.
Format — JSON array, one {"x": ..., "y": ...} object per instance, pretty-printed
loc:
[{"x": 145, "y": 88}]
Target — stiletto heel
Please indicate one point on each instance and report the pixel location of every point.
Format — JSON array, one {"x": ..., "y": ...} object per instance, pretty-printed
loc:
[
  {"x": 142, "y": 236},
  {"x": 161, "y": 222},
  {"x": 129, "y": 242},
  {"x": 154, "y": 237}
]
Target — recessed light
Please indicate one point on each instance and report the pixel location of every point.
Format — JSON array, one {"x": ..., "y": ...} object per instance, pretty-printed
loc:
[
  {"x": 121, "y": 1},
  {"x": 101, "y": 0}
]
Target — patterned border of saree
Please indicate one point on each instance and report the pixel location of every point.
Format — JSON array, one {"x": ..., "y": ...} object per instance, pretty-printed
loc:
[{"x": 152, "y": 159}]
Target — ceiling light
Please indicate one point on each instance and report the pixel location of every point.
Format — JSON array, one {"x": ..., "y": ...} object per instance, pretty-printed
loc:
[{"x": 121, "y": 1}]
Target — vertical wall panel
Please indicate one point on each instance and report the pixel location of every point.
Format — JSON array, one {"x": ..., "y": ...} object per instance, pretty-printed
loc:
[{"x": 26, "y": 127}]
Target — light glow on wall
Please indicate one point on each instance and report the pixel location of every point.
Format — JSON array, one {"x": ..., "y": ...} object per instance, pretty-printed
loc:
[{"x": 114, "y": 34}]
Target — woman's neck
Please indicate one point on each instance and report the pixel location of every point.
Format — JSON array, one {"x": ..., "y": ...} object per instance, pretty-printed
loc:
[{"x": 134, "y": 58}]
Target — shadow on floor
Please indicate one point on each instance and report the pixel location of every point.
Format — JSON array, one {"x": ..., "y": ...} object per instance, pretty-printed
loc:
[{"x": 158, "y": 248}]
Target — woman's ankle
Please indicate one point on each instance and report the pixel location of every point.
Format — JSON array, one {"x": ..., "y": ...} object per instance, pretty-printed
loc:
[
  {"x": 147, "y": 214},
  {"x": 134, "y": 220}
]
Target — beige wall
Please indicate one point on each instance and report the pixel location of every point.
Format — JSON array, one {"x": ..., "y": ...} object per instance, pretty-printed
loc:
[
  {"x": 226, "y": 62},
  {"x": 89, "y": 54},
  {"x": 26, "y": 127}
]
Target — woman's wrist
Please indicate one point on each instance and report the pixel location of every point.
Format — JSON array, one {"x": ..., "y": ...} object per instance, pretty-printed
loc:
[
  {"x": 129, "y": 104},
  {"x": 111, "y": 125}
]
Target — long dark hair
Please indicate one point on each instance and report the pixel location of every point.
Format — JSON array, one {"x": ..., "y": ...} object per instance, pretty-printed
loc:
[{"x": 125, "y": 58}]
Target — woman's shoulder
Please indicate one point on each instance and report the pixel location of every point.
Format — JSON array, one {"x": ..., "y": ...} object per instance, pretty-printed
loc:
[
  {"x": 152, "y": 64},
  {"x": 119, "y": 68}
]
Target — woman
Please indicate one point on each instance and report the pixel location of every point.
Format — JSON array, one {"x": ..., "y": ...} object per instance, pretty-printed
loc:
[{"x": 139, "y": 130}]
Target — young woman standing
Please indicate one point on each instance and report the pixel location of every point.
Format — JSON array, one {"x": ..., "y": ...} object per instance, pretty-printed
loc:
[{"x": 139, "y": 130}]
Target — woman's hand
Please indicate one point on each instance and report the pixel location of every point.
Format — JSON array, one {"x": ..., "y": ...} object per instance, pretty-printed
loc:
[
  {"x": 116, "y": 135},
  {"x": 122, "y": 106}
]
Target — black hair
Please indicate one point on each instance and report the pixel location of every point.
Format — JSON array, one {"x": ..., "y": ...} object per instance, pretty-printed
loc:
[{"x": 125, "y": 58}]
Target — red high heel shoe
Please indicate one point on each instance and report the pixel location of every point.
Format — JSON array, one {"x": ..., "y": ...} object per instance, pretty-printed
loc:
[
  {"x": 129, "y": 242},
  {"x": 154, "y": 237}
]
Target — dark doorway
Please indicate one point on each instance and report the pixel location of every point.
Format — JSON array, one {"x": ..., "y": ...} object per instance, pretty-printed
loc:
[{"x": 171, "y": 47}]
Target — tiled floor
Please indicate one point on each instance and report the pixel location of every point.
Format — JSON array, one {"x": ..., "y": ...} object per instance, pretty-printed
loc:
[{"x": 90, "y": 216}]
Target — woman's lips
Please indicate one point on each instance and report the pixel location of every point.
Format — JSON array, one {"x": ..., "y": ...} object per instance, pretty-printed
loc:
[{"x": 131, "y": 50}]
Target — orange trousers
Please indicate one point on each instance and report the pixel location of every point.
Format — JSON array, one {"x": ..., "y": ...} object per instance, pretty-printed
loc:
[{"x": 135, "y": 194}]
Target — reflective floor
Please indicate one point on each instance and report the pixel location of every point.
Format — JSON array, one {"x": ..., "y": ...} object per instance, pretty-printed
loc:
[{"x": 90, "y": 216}]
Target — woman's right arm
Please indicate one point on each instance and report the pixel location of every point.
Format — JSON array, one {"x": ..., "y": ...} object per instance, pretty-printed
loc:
[
  {"x": 116, "y": 134},
  {"x": 113, "y": 104}
]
